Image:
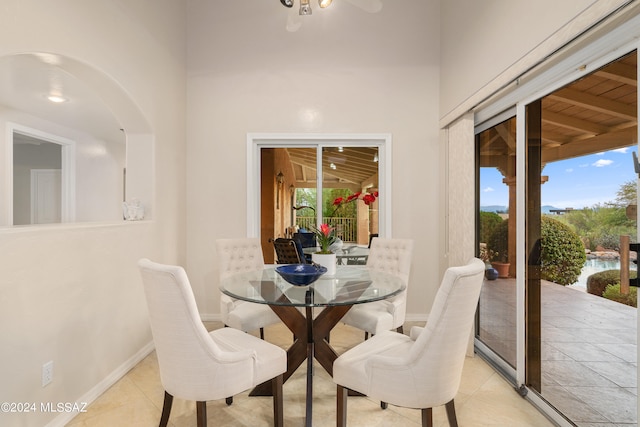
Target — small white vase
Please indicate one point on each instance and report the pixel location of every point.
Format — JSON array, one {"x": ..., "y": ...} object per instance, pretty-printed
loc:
[{"x": 325, "y": 260}]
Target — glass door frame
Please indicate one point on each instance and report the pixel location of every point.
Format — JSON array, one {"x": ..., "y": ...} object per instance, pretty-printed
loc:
[
  {"x": 257, "y": 141},
  {"x": 608, "y": 48}
]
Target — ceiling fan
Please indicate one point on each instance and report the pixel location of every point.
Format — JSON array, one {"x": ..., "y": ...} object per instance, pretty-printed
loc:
[{"x": 294, "y": 20}]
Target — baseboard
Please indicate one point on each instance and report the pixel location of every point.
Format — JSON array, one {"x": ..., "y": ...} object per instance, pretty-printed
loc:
[{"x": 65, "y": 417}]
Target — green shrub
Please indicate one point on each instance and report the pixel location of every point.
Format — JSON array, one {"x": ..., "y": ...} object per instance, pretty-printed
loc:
[
  {"x": 601, "y": 225},
  {"x": 488, "y": 222},
  {"x": 598, "y": 282},
  {"x": 498, "y": 241},
  {"x": 607, "y": 241},
  {"x": 562, "y": 256},
  {"x": 612, "y": 292}
]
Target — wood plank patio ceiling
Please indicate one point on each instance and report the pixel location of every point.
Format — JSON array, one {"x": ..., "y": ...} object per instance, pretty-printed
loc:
[
  {"x": 596, "y": 113},
  {"x": 353, "y": 166}
]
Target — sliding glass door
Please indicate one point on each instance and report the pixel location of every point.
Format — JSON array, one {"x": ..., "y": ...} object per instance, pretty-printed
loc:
[
  {"x": 337, "y": 181},
  {"x": 559, "y": 322},
  {"x": 496, "y": 157}
]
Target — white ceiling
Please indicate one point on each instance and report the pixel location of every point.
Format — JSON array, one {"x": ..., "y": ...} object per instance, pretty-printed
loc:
[
  {"x": 240, "y": 36},
  {"x": 340, "y": 34},
  {"x": 27, "y": 79}
]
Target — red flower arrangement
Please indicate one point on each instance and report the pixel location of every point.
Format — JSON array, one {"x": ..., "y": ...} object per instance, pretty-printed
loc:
[
  {"x": 325, "y": 234},
  {"x": 367, "y": 198}
]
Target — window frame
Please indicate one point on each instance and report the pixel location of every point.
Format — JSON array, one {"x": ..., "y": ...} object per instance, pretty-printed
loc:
[{"x": 257, "y": 141}]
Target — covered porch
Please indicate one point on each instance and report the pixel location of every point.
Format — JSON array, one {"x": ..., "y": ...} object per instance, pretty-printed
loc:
[{"x": 589, "y": 347}]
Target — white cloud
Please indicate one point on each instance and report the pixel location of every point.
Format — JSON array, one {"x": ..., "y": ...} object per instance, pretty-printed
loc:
[
  {"x": 584, "y": 165},
  {"x": 488, "y": 190},
  {"x": 569, "y": 170},
  {"x": 621, "y": 150},
  {"x": 602, "y": 163}
]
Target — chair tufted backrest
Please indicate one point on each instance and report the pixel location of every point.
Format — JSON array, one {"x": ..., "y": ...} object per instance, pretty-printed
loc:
[
  {"x": 391, "y": 256},
  {"x": 238, "y": 255},
  {"x": 438, "y": 354},
  {"x": 192, "y": 366}
]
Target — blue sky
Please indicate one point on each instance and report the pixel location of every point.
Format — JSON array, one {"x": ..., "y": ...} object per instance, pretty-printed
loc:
[{"x": 576, "y": 183}]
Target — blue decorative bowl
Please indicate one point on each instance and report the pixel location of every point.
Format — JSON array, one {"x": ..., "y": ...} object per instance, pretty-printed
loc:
[{"x": 301, "y": 274}]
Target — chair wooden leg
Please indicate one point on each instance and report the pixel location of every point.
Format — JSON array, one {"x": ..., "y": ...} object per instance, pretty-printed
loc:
[
  {"x": 201, "y": 414},
  {"x": 341, "y": 413},
  {"x": 278, "y": 413},
  {"x": 427, "y": 417},
  {"x": 366, "y": 336},
  {"x": 451, "y": 414},
  {"x": 261, "y": 333},
  {"x": 384, "y": 405},
  {"x": 229, "y": 400},
  {"x": 166, "y": 409}
]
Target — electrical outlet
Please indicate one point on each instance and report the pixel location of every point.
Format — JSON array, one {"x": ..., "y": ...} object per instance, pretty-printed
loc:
[{"x": 47, "y": 373}]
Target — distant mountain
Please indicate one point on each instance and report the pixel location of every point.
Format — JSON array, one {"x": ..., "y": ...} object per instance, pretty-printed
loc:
[
  {"x": 494, "y": 208},
  {"x": 502, "y": 209}
]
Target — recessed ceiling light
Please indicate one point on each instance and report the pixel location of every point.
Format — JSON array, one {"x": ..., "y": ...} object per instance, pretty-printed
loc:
[{"x": 58, "y": 99}]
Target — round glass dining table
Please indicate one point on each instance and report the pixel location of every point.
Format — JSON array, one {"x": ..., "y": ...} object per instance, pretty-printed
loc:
[
  {"x": 336, "y": 294},
  {"x": 351, "y": 254}
]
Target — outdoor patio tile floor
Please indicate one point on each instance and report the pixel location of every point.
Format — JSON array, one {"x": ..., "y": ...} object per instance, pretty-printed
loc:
[{"x": 589, "y": 350}]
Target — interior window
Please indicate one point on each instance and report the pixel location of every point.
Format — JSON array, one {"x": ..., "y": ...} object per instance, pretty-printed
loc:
[
  {"x": 65, "y": 148},
  {"x": 333, "y": 182}
]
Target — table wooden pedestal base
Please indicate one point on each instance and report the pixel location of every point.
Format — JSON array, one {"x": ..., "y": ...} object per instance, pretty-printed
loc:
[{"x": 310, "y": 343}]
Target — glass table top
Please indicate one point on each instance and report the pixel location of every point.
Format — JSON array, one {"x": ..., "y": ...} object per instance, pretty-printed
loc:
[{"x": 350, "y": 285}]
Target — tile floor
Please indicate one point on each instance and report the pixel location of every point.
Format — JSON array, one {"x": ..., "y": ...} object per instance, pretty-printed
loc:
[
  {"x": 589, "y": 362},
  {"x": 484, "y": 398}
]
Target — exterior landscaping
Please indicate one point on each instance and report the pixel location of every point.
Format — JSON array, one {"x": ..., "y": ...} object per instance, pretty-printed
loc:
[{"x": 569, "y": 239}]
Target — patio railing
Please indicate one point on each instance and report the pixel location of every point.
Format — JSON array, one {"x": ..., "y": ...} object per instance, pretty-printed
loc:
[{"x": 346, "y": 228}]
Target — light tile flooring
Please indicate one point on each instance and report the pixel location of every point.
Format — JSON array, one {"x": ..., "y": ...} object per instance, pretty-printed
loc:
[
  {"x": 589, "y": 362},
  {"x": 484, "y": 398}
]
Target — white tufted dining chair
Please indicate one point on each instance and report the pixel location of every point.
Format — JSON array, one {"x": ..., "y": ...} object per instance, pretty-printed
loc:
[
  {"x": 199, "y": 365},
  {"x": 236, "y": 256},
  {"x": 391, "y": 256},
  {"x": 422, "y": 370}
]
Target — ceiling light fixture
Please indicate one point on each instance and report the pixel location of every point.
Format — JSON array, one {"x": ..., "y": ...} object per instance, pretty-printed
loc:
[
  {"x": 305, "y": 7},
  {"x": 58, "y": 99}
]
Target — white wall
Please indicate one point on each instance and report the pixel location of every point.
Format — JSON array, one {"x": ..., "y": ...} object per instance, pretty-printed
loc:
[
  {"x": 98, "y": 168},
  {"x": 72, "y": 294},
  {"x": 345, "y": 70},
  {"x": 481, "y": 39}
]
